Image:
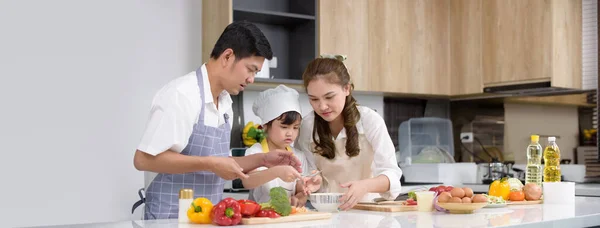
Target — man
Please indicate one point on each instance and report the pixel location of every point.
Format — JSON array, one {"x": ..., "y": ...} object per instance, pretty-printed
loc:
[{"x": 188, "y": 133}]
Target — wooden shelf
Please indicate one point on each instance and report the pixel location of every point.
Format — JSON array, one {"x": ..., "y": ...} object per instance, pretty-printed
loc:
[
  {"x": 271, "y": 17},
  {"x": 565, "y": 100}
]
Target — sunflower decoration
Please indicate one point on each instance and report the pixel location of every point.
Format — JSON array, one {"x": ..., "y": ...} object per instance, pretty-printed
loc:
[{"x": 252, "y": 133}]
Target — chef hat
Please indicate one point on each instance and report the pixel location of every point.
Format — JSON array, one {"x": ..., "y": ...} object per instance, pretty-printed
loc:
[{"x": 271, "y": 103}]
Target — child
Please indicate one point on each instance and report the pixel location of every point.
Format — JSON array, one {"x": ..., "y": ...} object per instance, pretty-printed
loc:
[{"x": 279, "y": 111}]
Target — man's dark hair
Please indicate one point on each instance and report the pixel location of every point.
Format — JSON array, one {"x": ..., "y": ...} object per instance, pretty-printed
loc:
[{"x": 245, "y": 39}]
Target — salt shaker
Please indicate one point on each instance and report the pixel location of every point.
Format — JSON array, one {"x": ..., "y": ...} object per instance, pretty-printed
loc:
[{"x": 186, "y": 197}]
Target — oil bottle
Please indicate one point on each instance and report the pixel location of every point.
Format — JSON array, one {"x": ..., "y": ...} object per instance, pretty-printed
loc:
[
  {"x": 533, "y": 172},
  {"x": 552, "y": 161}
]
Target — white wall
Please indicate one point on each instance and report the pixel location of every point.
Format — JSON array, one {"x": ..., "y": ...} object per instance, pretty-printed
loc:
[
  {"x": 76, "y": 82},
  {"x": 523, "y": 120}
]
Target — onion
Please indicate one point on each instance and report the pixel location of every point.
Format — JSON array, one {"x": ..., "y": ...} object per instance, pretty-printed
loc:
[{"x": 436, "y": 206}]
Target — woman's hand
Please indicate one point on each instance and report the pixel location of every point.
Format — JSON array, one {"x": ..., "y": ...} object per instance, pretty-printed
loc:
[
  {"x": 356, "y": 191},
  {"x": 312, "y": 184}
]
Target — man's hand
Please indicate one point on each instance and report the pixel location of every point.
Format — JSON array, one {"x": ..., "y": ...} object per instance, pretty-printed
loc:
[
  {"x": 227, "y": 168},
  {"x": 281, "y": 157}
]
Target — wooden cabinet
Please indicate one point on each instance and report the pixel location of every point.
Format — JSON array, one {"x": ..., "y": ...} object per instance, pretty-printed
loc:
[
  {"x": 392, "y": 46},
  {"x": 433, "y": 47},
  {"x": 531, "y": 41},
  {"x": 466, "y": 71},
  {"x": 344, "y": 29}
]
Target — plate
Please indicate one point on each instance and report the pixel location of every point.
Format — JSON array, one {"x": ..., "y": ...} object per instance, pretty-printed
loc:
[
  {"x": 462, "y": 208},
  {"x": 495, "y": 205}
]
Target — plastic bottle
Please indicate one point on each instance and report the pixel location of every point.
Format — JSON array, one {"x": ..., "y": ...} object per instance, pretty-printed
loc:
[
  {"x": 533, "y": 172},
  {"x": 552, "y": 161},
  {"x": 186, "y": 197}
]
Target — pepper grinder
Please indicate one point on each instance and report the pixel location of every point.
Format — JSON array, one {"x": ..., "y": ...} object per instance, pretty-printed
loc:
[{"x": 186, "y": 197}]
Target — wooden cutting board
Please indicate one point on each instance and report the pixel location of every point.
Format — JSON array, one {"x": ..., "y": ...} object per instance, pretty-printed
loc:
[
  {"x": 299, "y": 217},
  {"x": 385, "y": 208},
  {"x": 383, "y": 203},
  {"x": 526, "y": 202}
]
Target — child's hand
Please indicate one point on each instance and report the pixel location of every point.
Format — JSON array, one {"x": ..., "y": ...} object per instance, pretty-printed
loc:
[
  {"x": 298, "y": 200},
  {"x": 287, "y": 173}
]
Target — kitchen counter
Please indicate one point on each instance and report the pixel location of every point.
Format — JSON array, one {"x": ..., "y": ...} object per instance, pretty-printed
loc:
[
  {"x": 583, "y": 213},
  {"x": 580, "y": 189}
]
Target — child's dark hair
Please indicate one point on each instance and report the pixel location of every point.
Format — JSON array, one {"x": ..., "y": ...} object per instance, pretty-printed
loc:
[
  {"x": 245, "y": 39},
  {"x": 287, "y": 118}
]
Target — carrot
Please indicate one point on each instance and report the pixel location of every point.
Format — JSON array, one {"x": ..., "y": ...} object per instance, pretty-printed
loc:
[{"x": 293, "y": 210}]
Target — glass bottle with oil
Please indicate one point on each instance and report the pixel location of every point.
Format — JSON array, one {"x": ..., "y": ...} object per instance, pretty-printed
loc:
[
  {"x": 533, "y": 172},
  {"x": 552, "y": 161}
]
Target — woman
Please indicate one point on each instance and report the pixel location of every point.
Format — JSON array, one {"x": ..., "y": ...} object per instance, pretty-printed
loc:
[{"x": 348, "y": 143}]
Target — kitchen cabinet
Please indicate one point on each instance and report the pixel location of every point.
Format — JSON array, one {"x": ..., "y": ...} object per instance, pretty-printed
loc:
[
  {"x": 344, "y": 29},
  {"x": 399, "y": 47},
  {"x": 393, "y": 46},
  {"x": 466, "y": 67},
  {"x": 531, "y": 41},
  {"x": 442, "y": 48}
]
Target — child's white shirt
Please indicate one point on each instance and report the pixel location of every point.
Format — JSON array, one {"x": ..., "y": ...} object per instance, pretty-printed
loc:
[{"x": 260, "y": 194}]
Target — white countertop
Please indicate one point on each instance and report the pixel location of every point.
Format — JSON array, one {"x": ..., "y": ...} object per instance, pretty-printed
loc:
[
  {"x": 584, "y": 212},
  {"x": 580, "y": 189}
]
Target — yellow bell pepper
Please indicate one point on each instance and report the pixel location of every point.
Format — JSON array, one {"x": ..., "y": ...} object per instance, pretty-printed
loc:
[
  {"x": 500, "y": 188},
  {"x": 252, "y": 134},
  {"x": 199, "y": 211}
]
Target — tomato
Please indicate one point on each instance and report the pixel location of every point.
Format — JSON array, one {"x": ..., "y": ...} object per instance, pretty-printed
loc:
[
  {"x": 267, "y": 213},
  {"x": 448, "y": 188},
  {"x": 516, "y": 196},
  {"x": 411, "y": 202},
  {"x": 249, "y": 207}
]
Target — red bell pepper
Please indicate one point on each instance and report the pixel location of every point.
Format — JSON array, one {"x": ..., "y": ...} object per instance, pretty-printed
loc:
[
  {"x": 226, "y": 212},
  {"x": 270, "y": 213},
  {"x": 248, "y": 207}
]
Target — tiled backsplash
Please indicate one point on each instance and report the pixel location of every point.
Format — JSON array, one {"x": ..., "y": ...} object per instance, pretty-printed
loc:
[
  {"x": 486, "y": 121},
  {"x": 400, "y": 110},
  {"x": 523, "y": 120}
]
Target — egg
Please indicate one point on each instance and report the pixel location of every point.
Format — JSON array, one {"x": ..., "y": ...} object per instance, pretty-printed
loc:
[
  {"x": 466, "y": 200},
  {"x": 468, "y": 192},
  {"x": 479, "y": 199},
  {"x": 457, "y": 192},
  {"x": 455, "y": 200},
  {"x": 444, "y": 197}
]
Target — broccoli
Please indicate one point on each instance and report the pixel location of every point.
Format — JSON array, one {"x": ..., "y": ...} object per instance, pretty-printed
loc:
[{"x": 279, "y": 202}]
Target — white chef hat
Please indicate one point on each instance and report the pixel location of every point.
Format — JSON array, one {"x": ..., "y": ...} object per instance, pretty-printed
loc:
[{"x": 271, "y": 103}]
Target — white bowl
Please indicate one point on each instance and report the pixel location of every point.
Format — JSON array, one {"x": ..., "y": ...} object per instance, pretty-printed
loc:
[{"x": 326, "y": 202}]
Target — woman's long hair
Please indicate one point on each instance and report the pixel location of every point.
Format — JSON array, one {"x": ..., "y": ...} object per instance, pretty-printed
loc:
[{"x": 333, "y": 71}]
